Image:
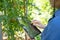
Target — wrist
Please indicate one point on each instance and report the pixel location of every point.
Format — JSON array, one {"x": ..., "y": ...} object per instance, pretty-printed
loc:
[{"x": 41, "y": 26}]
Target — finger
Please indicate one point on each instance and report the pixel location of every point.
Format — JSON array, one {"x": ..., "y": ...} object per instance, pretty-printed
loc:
[{"x": 34, "y": 21}]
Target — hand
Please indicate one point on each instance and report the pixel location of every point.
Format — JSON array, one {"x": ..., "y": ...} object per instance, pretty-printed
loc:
[{"x": 37, "y": 23}]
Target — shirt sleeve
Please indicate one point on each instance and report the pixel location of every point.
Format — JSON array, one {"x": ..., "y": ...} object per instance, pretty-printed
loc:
[
  {"x": 54, "y": 30},
  {"x": 54, "y": 33}
]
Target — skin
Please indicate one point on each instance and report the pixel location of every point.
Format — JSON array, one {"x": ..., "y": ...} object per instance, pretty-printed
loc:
[{"x": 54, "y": 3}]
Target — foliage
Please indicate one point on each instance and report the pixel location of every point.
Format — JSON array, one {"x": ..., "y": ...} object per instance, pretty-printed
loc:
[
  {"x": 19, "y": 13},
  {"x": 13, "y": 11}
]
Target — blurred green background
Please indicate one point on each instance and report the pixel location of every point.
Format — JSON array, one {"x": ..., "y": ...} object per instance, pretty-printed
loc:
[{"x": 14, "y": 14}]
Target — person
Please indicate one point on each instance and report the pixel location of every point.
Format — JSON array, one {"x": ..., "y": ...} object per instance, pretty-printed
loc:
[{"x": 52, "y": 30}]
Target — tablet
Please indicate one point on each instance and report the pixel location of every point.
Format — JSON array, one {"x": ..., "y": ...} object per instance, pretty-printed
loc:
[{"x": 32, "y": 31}]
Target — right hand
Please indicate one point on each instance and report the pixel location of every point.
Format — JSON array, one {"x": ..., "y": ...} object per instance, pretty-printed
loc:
[{"x": 37, "y": 23}]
